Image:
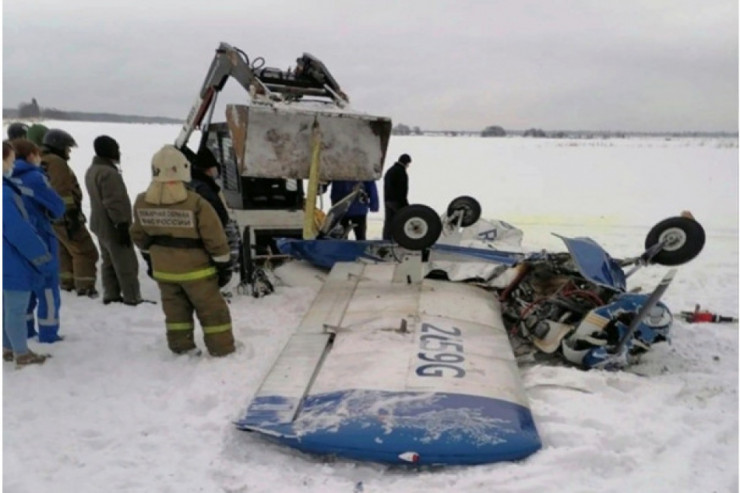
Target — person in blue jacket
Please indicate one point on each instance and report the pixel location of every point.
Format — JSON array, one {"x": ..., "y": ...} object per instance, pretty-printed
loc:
[
  {"x": 26, "y": 264},
  {"x": 356, "y": 216},
  {"x": 43, "y": 205}
]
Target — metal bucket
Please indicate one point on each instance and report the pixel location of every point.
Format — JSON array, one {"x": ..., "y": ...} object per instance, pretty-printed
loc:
[{"x": 275, "y": 141}]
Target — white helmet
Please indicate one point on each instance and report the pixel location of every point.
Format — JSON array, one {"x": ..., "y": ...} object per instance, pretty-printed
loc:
[{"x": 169, "y": 164}]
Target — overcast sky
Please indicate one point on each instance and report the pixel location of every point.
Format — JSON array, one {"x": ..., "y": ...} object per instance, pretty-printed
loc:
[{"x": 635, "y": 65}]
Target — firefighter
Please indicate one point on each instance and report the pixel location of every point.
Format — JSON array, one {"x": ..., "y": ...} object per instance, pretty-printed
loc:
[
  {"x": 181, "y": 237},
  {"x": 77, "y": 252}
]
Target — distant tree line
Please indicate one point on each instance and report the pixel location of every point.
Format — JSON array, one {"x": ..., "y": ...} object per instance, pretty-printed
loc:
[
  {"x": 493, "y": 131},
  {"x": 490, "y": 131},
  {"x": 534, "y": 132},
  {"x": 402, "y": 129},
  {"x": 29, "y": 110},
  {"x": 33, "y": 110}
]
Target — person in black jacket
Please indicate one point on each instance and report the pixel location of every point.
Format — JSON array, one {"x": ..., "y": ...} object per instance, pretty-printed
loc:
[
  {"x": 395, "y": 191},
  {"x": 203, "y": 174},
  {"x": 204, "y": 171}
]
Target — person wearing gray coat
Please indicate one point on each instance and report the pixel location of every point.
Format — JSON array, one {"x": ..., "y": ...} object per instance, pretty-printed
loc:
[{"x": 110, "y": 220}]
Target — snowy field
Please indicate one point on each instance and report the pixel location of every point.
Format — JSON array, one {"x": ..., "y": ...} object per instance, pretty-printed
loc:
[{"x": 114, "y": 410}]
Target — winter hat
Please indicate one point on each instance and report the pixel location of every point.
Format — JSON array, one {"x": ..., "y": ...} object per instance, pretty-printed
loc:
[
  {"x": 17, "y": 130},
  {"x": 58, "y": 139},
  {"x": 36, "y": 133},
  {"x": 107, "y": 147},
  {"x": 404, "y": 159},
  {"x": 169, "y": 164}
]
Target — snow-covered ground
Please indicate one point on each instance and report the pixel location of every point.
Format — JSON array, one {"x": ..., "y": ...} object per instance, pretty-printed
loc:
[{"x": 113, "y": 410}]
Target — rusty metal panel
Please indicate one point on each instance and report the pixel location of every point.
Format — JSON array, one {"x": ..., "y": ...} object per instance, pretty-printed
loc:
[
  {"x": 277, "y": 141},
  {"x": 236, "y": 120}
]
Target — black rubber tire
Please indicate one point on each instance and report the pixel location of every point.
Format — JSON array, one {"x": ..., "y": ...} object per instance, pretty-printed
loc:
[
  {"x": 416, "y": 227},
  {"x": 470, "y": 208},
  {"x": 688, "y": 240}
]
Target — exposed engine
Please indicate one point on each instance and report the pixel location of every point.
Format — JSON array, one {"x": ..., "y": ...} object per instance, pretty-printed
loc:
[{"x": 552, "y": 308}]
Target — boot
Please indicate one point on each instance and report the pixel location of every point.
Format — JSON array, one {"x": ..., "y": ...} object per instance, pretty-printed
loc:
[
  {"x": 7, "y": 354},
  {"x": 49, "y": 336},
  {"x": 108, "y": 301},
  {"x": 29, "y": 358},
  {"x": 220, "y": 344},
  {"x": 189, "y": 352},
  {"x": 90, "y": 292},
  {"x": 138, "y": 302},
  {"x": 180, "y": 341}
]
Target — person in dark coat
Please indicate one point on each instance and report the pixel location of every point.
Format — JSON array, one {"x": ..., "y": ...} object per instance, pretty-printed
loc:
[
  {"x": 110, "y": 220},
  {"x": 204, "y": 172},
  {"x": 26, "y": 264},
  {"x": 356, "y": 215},
  {"x": 395, "y": 191},
  {"x": 44, "y": 205},
  {"x": 203, "y": 182}
]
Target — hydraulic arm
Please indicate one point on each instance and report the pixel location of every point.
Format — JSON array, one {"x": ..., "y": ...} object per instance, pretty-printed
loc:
[{"x": 309, "y": 78}]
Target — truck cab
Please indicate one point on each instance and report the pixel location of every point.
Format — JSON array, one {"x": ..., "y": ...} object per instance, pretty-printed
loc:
[{"x": 264, "y": 208}]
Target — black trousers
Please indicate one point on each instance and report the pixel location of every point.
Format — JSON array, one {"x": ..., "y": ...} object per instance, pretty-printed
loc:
[
  {"x": 391, "y": 209},
  {"x": 359, "y": 226}
]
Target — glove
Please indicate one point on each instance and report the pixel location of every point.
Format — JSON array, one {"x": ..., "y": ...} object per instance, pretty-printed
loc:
[
  {"x": 224, "y": 271},
  {"x": 73, "y": 221},
  {"x": 148, "y": 259},
  {"x": 124, "y": 237}
]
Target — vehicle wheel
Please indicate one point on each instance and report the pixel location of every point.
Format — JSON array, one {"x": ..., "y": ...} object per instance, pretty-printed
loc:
[
  {"x": 468, "y": 206},
  {"x": 685, "y": 239},
  {"x": 416, "y": 227}
]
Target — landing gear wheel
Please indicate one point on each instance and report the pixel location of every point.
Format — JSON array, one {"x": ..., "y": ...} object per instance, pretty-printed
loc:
[
  {"x": 684, "y": 239},
  {"x": 416, "y": 227},
  {"x": 468, "y": 207}
]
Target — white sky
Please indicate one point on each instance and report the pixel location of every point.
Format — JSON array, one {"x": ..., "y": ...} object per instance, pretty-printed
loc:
[{"x": 631, "y": 65}]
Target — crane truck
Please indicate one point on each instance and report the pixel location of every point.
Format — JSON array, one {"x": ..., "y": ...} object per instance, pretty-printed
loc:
[{"x": 293, "y": 126}]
